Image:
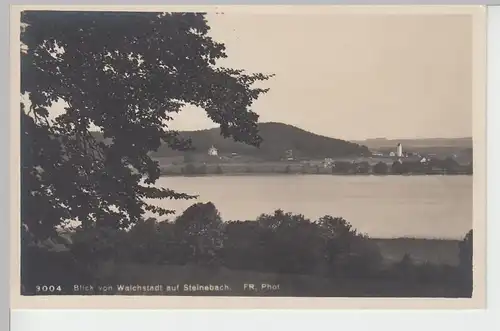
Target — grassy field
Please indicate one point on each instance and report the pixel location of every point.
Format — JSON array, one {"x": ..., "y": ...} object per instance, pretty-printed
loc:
[
  {"x": 179, "y": 281},
  {"x": 176, "y": 279}
]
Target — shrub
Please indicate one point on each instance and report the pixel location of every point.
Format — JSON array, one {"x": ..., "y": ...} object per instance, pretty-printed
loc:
[
  {"x": 466, "y": 261},
  {"x": 381, "y": 168}
]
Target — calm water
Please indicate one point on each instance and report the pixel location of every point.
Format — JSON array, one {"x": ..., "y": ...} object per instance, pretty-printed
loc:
[{"x": 393, "y": 206}]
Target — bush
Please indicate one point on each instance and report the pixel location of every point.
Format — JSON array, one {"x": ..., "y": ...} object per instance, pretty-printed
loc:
[
  {"x": 189, "y": 169},
  {"x": 343, "y": 167},
  {"x": 381, "y": 168},
  {"x": 466, "y": 262},
  {"x": 363, "y": 168},
  {"x": 279, "y": 243},
  {"x": 201, "y": 170}
]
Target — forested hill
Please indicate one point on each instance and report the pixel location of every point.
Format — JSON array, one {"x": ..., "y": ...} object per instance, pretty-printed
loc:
[{"x": 277, "y": 138}]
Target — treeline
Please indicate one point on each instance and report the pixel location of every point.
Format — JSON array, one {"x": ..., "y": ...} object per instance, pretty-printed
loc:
[
  {"x": 279, "y": 243},
  {"x": 439, "y": 167},
  {"x": 435, "y": 166}
]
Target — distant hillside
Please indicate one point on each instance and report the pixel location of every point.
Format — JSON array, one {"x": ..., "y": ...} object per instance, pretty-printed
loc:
[{"x": 277, "y": 138}]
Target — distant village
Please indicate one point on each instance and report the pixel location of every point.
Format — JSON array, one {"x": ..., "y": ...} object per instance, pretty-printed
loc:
[
  {"x": 395, "y": 161},
  {"x": 389, "y": 157}
]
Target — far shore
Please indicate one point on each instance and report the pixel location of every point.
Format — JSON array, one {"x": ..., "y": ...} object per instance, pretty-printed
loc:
[
  {"x": 294, "y": 168},
  {"x": 302, "y": 174}
]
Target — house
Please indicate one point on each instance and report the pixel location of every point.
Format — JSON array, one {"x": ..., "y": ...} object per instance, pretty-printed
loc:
[
  {"x": 212, "y": 151},
  {"x": 328, "y": 162}
]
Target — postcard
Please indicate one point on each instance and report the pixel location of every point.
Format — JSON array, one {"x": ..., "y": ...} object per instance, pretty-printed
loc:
[{"x": 248, "y": 157}]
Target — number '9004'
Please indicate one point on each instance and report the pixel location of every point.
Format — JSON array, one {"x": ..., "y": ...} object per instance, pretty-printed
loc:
[{"x": 48, "y": 288}]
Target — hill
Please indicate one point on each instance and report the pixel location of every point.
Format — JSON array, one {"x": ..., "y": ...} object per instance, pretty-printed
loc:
[{"x": 277, "y": 139}]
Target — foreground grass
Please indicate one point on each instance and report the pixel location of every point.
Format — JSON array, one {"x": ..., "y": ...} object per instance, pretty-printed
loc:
[{"x": 180, "y": 279}]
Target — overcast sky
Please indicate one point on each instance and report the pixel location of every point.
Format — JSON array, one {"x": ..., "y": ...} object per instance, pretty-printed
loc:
[{"x": 353, "y": 76}]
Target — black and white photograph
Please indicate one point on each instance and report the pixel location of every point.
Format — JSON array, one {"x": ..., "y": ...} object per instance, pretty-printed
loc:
[{"x": 239, "y": 153}]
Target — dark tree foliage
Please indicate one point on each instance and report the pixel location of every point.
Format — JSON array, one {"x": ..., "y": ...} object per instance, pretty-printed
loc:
[
  {"x": 399, "y": 167},
  {"x": 200, "y": 228},
  {"x": 466, "y": 259},
  {"x": 283, "y": 244},
  {"x": 449, "y": 164},
  {"x": 124, "y": 74},
  {"x": 363, "y": 168},
  {"x": 381, "y": 168},
  {"x": 343, "y": 167}
]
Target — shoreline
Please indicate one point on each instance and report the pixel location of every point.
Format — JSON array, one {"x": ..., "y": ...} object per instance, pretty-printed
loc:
[{"x": 306, "y": 174}]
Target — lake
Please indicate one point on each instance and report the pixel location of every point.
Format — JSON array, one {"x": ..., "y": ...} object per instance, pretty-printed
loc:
[{"x": 380, "y": 206}]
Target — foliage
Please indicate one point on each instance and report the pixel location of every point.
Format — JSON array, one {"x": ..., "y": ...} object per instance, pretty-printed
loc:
[
  {"x": 380, "y": 168},
  {"x": 279, "y": 243},
  {"x": 200, "y": 228},
  {"x": 343, "y": 167},
  {"x": 449, "y": 164},
  {"x": 470, "y": 167},
  {"x": 124, "y": 74},
  {"x": 363, "y": 168},
  {"x": 188, "y": 157},
  {"x": 466, "y": 259},
  {"x": 398, "y": 167}
]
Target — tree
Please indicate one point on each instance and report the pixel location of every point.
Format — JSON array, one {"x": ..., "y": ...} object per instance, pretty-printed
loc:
[
  {"x": 363, "y": 167},
  {"x": 201, "y": 227},
  {"x": 202, "y": 169},
  {"x": 343, "y": 167},
  {"x": 450, "y": 164},
  {"x": 399, "y": 168},
  {"x": 123, "y": 74},
  {"x": 188, "y": 157},
  {"x": 380, "y": 168},
  {"x": 466, "y": 260},
  {"x": 470, "y": 168},
  {"x": 290, "y": 243}
]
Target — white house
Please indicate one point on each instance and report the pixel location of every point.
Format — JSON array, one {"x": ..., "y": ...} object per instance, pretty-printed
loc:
[
  {"x": 212, "y": 151},
  {"x": 328, "y": 162}
]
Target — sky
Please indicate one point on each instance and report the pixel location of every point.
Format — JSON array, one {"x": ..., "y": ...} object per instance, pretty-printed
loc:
[{"x": 353, "y": 76}]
